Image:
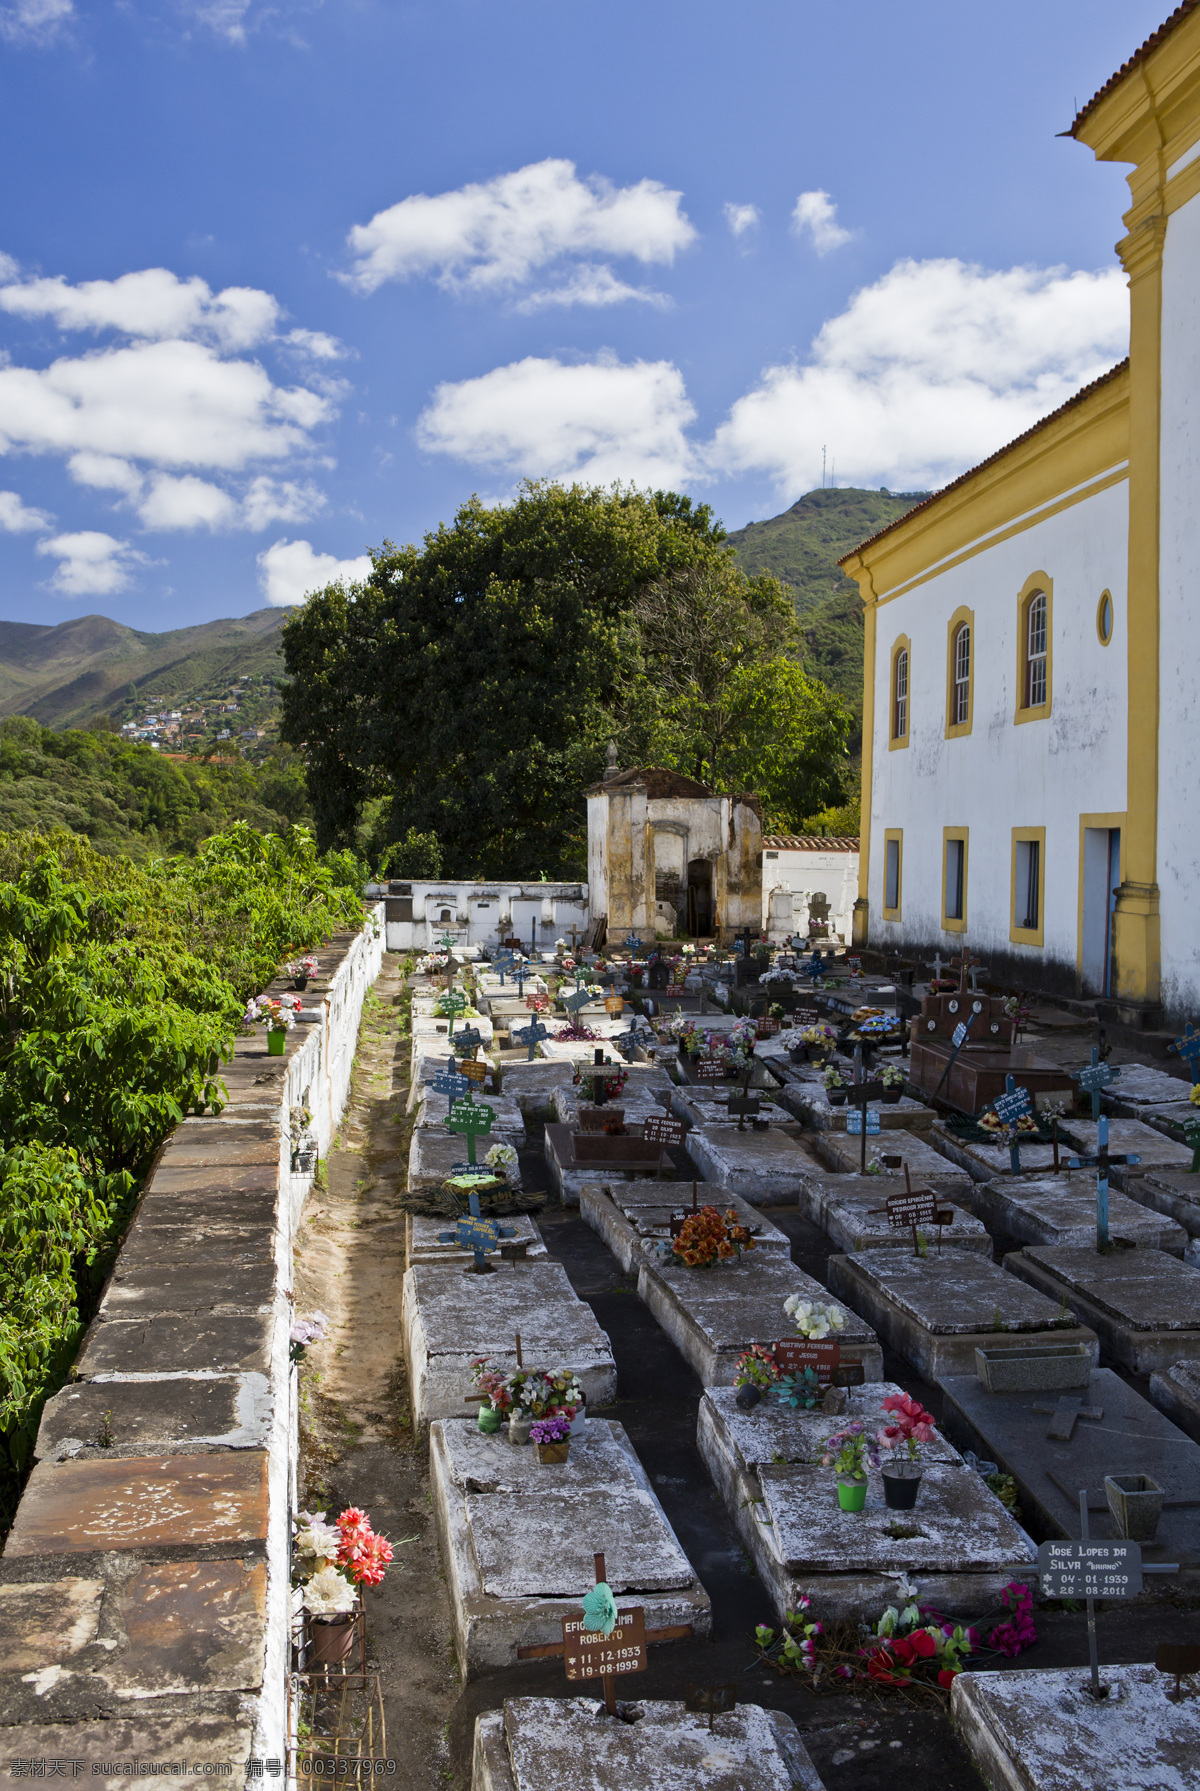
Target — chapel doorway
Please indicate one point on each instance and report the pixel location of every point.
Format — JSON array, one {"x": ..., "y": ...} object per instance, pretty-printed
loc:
[
  {"x": 1101, "y": 877},
  {"x": 700, "y": 899}
]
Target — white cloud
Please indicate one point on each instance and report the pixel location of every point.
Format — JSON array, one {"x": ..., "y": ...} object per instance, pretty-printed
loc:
[
  {"x": 279, "y": 500},
  {"x": 226, "y": 17},
  {"x": 592, "y": 284},
  {"x": 495, "y": 235},
  {"x": 187, "y": 503},
  {"x": 16, "y": 518},
  {"x": 599, "y": 420},
  {"x": 91, "y": 564},
  {"x": 926, "y": 372},
  {"x": 316, "y": 344},
  {"x": 741, "y": 218},
  {"x": 37, "y": 22},
  {"x": 289, "y": 570},
  {"x": 152, "y": 303},
  {"x": 817, "y": 214}
]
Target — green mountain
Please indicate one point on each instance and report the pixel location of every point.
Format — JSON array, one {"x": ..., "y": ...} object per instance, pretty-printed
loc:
[
  {"x": 89, "y": 666},
  {"x": 802, "y": 548}
]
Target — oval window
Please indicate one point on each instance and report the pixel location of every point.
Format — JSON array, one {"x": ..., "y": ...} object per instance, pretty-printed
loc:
[{"x": 1104, "y": 618}]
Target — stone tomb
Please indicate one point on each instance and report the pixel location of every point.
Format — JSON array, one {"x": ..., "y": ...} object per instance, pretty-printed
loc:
[
  {"x": 422, "y": 1239},
  {"x": 549, "y": 1744},
  {"x": 1140, "y": 1086},
  {"x": 850, "y": 1209},
  {"x": 434, "y": 1151},
  {"x": 1143, "y": 1305},
  {"x": 707, "y": 1103},
  {"x": 451, "y": 1317},
  {"x": 1130, "y": 1135},
  {"x": 1039, "y": 1730},
  {"x": 766, "y": 1168},
  {"x": 959, "y": 1546},
  {"x": 927, "y": 1167},
  {"x": 518, "y": 1539},
  {"x": 713, "y": 1315},
  {"x": 987, "y": 1162},
  {"x": 639, "y": 1100},
  {"x": 809, "y": 1103},
  {"x": 532, "y": 1085},
  {"x": 936, "y": 1311},
  {"x": 1175, "y": 1391},
  {"x": 1174, "y": 1192},
  {"x": 1061, "y": 1209},
  {"x": 1129, "y": 1437},
  {"x": 508, "y": 1123},
  {"x": 626, "y": 1158},
  {"x": 626, "y": 1212}
]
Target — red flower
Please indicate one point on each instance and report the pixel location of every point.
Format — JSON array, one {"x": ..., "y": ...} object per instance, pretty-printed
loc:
[{"x": 947, "y": 1676}]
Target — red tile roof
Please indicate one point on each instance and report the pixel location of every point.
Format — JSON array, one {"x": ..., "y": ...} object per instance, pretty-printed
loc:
[
  {"x": 808, "y": 842},
  {"x": 1151, "y": 44},
  {"x": 954, "y": 484}
]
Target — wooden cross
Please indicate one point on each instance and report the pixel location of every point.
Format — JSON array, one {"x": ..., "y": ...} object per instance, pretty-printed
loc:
[
  {"x": 1100, "y": 1161},
  {"x": 1064, "y": 1415},
  {"x": 1188, "y": 1047},
  {"x": 964, "y": 964},
  {"x": 1095, "y": 1076}
]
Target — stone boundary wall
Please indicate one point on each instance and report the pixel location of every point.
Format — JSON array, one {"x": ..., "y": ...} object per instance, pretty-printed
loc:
[{"x": 144, "y": 1606}]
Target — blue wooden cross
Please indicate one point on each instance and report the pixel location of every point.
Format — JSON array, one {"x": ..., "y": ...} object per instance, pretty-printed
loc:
[
  {"x": 503, "y": 961},
  {"x": 573, "y": 1003},
  {"x": 634, "y": 944},
  {"x": 450, "y": 1083},
  {"x": 1092, "y": 1078},
  {"x": 816, "y": 968},
  {"x": 477, "y": 1234},
  {"x": 1009, "y": 1107},
  {"x": 1100, "y": 1160},
  {"x": 531, "y": 1034},
  {"x": 468, "y": 1041},
  {"x": 1188, "y": 1047}
]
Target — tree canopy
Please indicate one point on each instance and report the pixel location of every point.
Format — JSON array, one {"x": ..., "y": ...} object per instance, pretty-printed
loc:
[{"x": 468, "y": 688}]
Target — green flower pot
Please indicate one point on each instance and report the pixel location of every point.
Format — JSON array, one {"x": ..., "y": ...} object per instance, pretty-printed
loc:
[
  {"x": 489, "y": 1420},
  {"x": 276, "y": 1040},
  {"x": 852, "y": 1494}
]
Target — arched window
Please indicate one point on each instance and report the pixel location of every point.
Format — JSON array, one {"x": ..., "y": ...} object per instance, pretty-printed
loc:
[
  {"x": 961, "y": 704},
  {"x": 446, "y": 918},
  {"x": 1035, "y": 648},
  {"x": 898, "y": 725},
  {"x": 1035, "y": 651}
]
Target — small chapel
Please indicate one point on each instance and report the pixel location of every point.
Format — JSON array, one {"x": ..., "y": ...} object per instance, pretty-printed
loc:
[{"x": 1032, "y": 639}]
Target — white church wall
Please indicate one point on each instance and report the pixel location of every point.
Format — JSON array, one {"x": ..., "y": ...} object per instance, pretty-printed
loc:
[
  {"x": 1003, "y": 775},
  {"x": 1179, "y": 628}
]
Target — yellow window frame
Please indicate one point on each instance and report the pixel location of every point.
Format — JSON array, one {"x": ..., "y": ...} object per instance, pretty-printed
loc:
[
  {"x": 962, "y": 618},
  {"x": 1037, "y": 581},
  {"x": 949, "y": 924},
  {"x": 1028, "y": 935},
  {"x": 897, "y": 834}
]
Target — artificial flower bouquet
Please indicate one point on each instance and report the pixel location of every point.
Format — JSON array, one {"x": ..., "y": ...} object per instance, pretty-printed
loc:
[
  {"x": 707, "y": 1238},
  {"x": 277, "y": 1015},
  {"x": 504, "y": 1160},
  {"x": 304, "y": 1332},
  {"x": 756, "y": 1367},
  {"x": 331, "y": 1561},
  {"x": 850, "y": 1452},
  {"x": 815, "y": 1319},
  {"x": 303, "y": 967},
  {"x": 833, "y": 1077},
  {"x": 529, "y": 1392},
  {"x": 891, "y": 1075},
  {"x": 909, "y": 1425}
]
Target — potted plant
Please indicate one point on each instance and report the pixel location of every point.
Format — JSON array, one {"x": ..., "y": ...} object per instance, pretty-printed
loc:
[
  {"x": 551, "y": 1438},
  {"x": 909, "y": 1426},
  {"x": 330, "y": 1563},
  {"x": 836, "y": 1087},
  {"x": 276, "y": 1015},
  {"x": 892, "y": 1077},
  {"x": 754, "y": 1375},
  {"x": 301, "y": 971},
  {"x": 849, "y": 1454}
]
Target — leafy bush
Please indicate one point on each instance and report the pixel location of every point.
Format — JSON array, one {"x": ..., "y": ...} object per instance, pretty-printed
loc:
[{"x": 121, "y": 988}]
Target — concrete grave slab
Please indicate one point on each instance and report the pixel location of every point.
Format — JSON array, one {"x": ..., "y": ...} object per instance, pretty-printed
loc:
[
  {"x": 1061, "y": 1209},
  {"x": 203, "y": 1144},
  {"x": 170, "y": 1181},
  {"x": 452, "y": 1317},
  {"x": 163, "y": 1343},
  {"x": 530, "y": 1085},
  {"x": 927, "y": 1167},
  {"x": 538, "y": 1744},
  {"x": 713, "y": 1316},
  {"x": 434, "y": 1152},
  {"x": 1173, "y": 1192},
  {"x": 625, "y": 1212},
  {"x": 198, "y": 1242},
  {"x": 1130, "y": 1135},
  {"x": 229, "y": 1287},
  {"x": 1143, "y": 1305},
  {"x": 766, "y": 1168},
  {"x": 807, "y": 1100},
  {"x": 108, "y": 1748},
  {"x": 509, "y": 1121},
  {"x": 935, "y": 1311},
  {"x": 177, "y": 1414},
  {"x": 1039, "y": 1730},
  {"x": 850, "y": 1209},
  {"x": 638, "y": 1101},
  {"x": 77, "y": 1507},
  {"x": 707, "y": 1103},
  {"x": 422, "y": 1245},
  {"x": 47, "y": 1622},
  {"x": 1142, "y": 1085},
  {"x": 988, "y": 1162},
  {"x": 518, "y": 1539},
  {"x": 959, "y": 1546},
  {"x": 1130, "y": 1437}
]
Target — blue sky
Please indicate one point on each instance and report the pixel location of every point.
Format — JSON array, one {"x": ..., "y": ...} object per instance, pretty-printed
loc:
[{"x": 679, "y": 244}]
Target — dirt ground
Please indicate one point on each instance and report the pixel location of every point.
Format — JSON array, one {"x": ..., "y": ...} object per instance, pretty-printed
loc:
[{"x": 357, "y": 1448}]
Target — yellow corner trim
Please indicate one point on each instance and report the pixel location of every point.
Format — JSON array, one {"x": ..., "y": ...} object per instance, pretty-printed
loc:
[{"x": 1028, "y": 935}]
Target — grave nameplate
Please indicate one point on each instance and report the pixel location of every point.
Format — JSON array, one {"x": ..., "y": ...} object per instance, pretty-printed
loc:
[
  {"x": 474, "y": 1072},
  {"x": 854, "y": 1122},
  {"x": 614, "y": 1005},
  {"x": 1012, "y": 1106},
  {"x": 1188, "y": 1047},
  {"x": 451, "y": 1084},
  {"x": 1090, "y": 1569},
  {"x": 574, "y": 1002},
  {"x": 905, "y": 1211},
  {"x": 468, "y": 1039},
  {"x": 471, "y": 1118},
  {"x": 662, "y": 1131},
  {"x": 531, "y": 1035},
  {"x": 711, "y": 1700},
  {"x": 711, "y": 1072},
  {"x": 590, "y": 1654},
  {"x": 794, "y": 1354}
]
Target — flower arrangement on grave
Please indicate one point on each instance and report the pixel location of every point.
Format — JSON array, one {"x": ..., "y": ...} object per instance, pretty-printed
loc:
[
  {"x": 1019, "y": 1630},
  {"x": 613, "y": 1081},
  {"x": 568, "y": 964},
  {"x": 529, "y": 1392},
  {"x": 331, "y": 1561},
  {"x": 913, "y": 1650},
  {"x": 815, "y": 1319},
  {"x": 276, "y": 1015},
  {"x": 756, "y": 1367},
  {"x": 943, "y": 985},
  {"x": 304, "y": 1332},
  {"x": 891, "y": 1075},
  {"x": 503, "y": 1159},
  {"x": 707, "y": 1238},
  {"x": 833, "y": 1077},
  {"x": 576, "y": 1030},
  {"x": 850, "y": 1453},
  {"x": 301, "y": 969},
  {"x": 1194, "y": 1094},
  {"x": 551, "y": 1430},
  {"x": 909, "y": 1425},
  {"x": 991, "y": 1122},
  {"x": 778, "y": 974}
]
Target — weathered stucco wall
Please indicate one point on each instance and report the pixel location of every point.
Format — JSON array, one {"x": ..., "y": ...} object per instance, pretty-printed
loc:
[
  {"x": 144, "y": 1604},
  {"x": 1044, "y": 773},
  {"x": 799, "y": 874},
  {"x": 479, "y": 913},
  {"x": 1179, "y": 623}
]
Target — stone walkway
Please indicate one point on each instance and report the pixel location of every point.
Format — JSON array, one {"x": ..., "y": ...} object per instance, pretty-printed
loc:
[{"x": 359, "y": 1447}]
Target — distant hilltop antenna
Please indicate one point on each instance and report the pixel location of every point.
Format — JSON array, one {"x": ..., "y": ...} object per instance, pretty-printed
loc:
[{"x": 822, "y": 467}]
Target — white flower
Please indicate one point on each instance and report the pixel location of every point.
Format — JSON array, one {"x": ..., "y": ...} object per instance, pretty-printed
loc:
[
  {"x": 813, "y": 1318},
  {"x": 320, "y": 1540},
  {"x": 501, "y": 1156},
  {"x": 329, "y": 1594}
]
